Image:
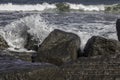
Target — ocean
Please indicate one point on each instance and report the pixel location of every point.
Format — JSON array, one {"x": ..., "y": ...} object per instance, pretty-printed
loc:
[
  {"x": 55, "y": 1},
  {"x": 39, "y": 17}
]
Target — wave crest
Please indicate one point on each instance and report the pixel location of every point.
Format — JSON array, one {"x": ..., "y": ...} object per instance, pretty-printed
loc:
[
  {"x": 44, "y": 6},
  {"x": 87, "y": 7},
  {"x": 37, "y": 7}
]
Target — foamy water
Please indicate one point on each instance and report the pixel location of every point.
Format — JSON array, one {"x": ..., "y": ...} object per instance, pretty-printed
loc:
[
  {"x": 45, "y": 6},
  {"x": 15, "y": 33},
  {"x": 40, "y": 25},
  {"x": 87, "y": 7},
  {"x": 30, "y": 7}
]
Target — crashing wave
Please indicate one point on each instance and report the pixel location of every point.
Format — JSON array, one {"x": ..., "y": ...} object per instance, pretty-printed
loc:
[
  {"x": 87, "y": 7},
  {"x": 30, "y": 7},
  {"x": 15, "y": 33},
  {"x": 46, "y": 6}
]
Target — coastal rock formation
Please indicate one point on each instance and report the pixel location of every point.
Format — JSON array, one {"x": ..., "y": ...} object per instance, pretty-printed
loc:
[
  {"x": 89, "y": 68},
  {"x": 14, "y": 69},
  {"x": 25, "y": 56},
  {"x": 99, "y": 46},
  {"x": 3, "y": 43},
  {"x": 59, "y": 47},
  {"x": 32, "y": 44},
  {"x": 118, "y": 28}
]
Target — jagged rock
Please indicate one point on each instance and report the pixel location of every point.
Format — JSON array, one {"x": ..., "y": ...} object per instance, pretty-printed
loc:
[
  {"x": 100, "y": 46},
  {"x": 14, "y": 69},
  {"x": 3, "y": 43},
  {"x": 32, "y": 44},
  {"x": 59, "y": 47},
  {"x": 118, "y": 28}
]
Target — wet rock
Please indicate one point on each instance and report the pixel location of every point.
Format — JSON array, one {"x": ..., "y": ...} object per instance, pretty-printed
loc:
[
  {"x": 3, "y": 43},
  {"x": 20, "y": 70},
  {"x": 90, "y": 68},
  {"x": 58, "y": 48},
  {"x": 32, "y": 43},
  {"x": 99, "y": 46},
  {"x": 25, "y": 56},
  {"x": 118, "y": 28}
]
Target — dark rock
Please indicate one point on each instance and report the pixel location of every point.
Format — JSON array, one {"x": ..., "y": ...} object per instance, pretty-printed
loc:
[
  {"x": 3, "y": 43},
  {"x": 19, "y": 70},
  {"x": 89, "y": 68},
  {"x": 100, "y": 46},
  {"x": 32, "y": 43},
  {"x": 118, "y": 28},
  {"x": 59, "y": 47},
  {"x": 25, "y": 56}
]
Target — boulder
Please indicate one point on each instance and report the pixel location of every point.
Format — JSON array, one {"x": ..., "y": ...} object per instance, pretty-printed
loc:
[
  {"x": 118, "y": 28},
  {"x": 14, "y": 69},
  {"x": 99, "y": 46},
  {"x": 59, "y": 47},
  {"x": 3, "y": 43},
  {"x": 32, "y": 43}
]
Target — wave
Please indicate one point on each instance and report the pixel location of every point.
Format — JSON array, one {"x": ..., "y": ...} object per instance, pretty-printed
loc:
[
  {"x": 113, "y": 8},
  {"x": 16, "y": 32},
  {"x": 46, "y": 6},
  {"x": 87, "y": 7},
  {"x": 36, "y": 7}
]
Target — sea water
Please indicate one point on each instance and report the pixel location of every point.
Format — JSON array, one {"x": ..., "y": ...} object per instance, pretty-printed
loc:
[{"x": 39, "y": 18}]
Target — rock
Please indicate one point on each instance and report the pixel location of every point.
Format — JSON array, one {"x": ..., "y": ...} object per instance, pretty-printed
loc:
[
  {"x": 90, "y": 68},
  {"x": 118, "y": 28},
  {"x": 58, "y": 48},
  {"x": 25, "y": 56},
  {"x": 3, "y": 43},
  {"x": 14, "y": 69},
  {"x": 32, "y": 44},
  {"x": 100, "y": 46}
]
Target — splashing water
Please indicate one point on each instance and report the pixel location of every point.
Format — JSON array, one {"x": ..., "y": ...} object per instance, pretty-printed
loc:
[
  {"x": 15, "y": 33},
  {"x": 40, "y": 25}
]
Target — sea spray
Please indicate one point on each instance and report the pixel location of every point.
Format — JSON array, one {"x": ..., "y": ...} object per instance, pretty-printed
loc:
[
  {"x": 41, "y": 24},
  {"x": 15, "y": 33}
]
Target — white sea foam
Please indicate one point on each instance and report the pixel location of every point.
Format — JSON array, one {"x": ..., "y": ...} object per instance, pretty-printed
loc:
[
  {"x": 44, "y": 6},
  {"x": 15, "y": 33},
  {"x": 87, "y": 7},
  {"x": 30, "y": 7}
]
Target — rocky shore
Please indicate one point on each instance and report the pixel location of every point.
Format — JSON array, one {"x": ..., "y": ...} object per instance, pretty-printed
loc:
[{"x": 59, "y": 57}]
